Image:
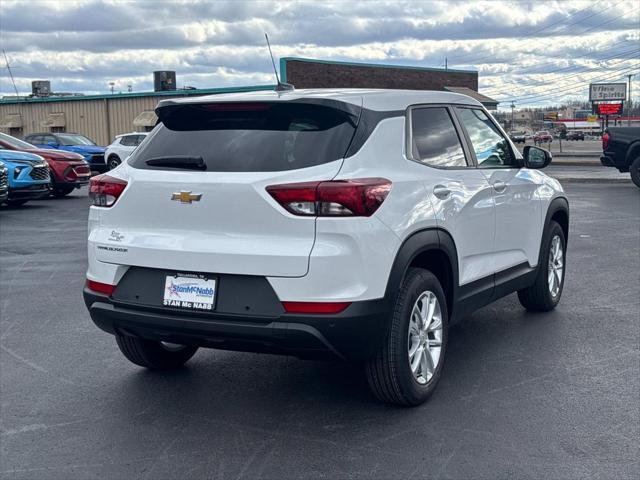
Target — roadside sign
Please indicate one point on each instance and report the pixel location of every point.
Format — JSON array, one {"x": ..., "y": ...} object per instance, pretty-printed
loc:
[
  {"x": 609, "y": 108},
  {"x": 599, "y": 92}
]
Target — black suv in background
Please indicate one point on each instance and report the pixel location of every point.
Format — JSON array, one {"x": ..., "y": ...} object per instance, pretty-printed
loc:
[
  {"x": 621, "y": 149},
  {"x": 575, "y": 135}
]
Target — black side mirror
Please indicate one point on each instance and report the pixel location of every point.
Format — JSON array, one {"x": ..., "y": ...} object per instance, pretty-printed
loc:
[{"x": 536, "y": 157}]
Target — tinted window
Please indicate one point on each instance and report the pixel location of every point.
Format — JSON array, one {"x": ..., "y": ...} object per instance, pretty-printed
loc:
[
  {"x": 250, "y": 137},
  {"x": 434, "y": 140},
  {"x": 137, "y": 139},
  {"x": 492, "y": 149},
  {"x": 72, "y": 139},
  {"x": 128, "y": 140}
]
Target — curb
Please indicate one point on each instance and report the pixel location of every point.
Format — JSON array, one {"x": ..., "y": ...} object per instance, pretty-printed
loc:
[
  {"x": 593, "y": 180},
  {"x": 577, "y": 154},
  {"x": 577, "y": 163}
]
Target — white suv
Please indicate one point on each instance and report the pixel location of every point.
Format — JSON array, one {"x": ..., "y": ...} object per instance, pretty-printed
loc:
[
  {"x": 121, "y": 147},
  {"x": 358, "y": 224}
]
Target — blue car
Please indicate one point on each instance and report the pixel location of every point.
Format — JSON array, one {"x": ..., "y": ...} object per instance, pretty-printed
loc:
[
  {"x": 71, "y": 142},
  {"x": 27, "y": 175}
]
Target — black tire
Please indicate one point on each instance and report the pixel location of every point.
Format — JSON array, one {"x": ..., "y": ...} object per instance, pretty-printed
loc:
[
  {"x": 16, "y": 203},
  {"x": 153, "y": 355},
  {"x": 388, "y": 373},
  {"x": 113, "y": 161},
  {"x": 634, "y": 170},
  {"x": 538, "y": 297},
  {"x": 60, "y": 192}
]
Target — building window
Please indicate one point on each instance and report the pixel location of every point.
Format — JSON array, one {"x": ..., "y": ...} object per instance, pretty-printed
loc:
[
  {"x": 15, "y": 132},
  {"x": 58, "y": 130}
]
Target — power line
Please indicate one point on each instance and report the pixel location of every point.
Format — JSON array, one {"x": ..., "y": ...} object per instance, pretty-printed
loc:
[
  {"x": 621, "y": 54},
  {"x": 562, "y": 88},
  {"x": 556, "y": 93},
  {"x": 555, "y": 88},
  {"x": 629, "y": 56}
]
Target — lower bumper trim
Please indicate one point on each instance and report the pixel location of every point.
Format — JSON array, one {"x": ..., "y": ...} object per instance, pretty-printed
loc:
[{"x": 352, "y": 335}]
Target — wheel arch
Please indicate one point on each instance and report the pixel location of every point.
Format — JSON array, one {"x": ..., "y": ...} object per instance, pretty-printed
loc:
[
  {"x": 432, "y": 249},
  {"x": 633, "y": 153},
  {"x": 558, "y": 211}
]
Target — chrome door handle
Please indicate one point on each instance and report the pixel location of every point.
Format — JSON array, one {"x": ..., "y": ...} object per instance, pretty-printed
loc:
[
  {"x": 499, "y": 186},
  {"x": 441, "y": 191}
]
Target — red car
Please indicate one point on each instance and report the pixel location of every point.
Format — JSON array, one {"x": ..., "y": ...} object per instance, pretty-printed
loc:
[
  {"x": 68, "y": 170},
  {"x": 543, "y": 137}
]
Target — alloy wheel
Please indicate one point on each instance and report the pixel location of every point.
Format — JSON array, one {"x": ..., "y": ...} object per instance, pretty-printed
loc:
[
  {"x": 425, "y": 337},
  {"x": 556, "y": 266}
]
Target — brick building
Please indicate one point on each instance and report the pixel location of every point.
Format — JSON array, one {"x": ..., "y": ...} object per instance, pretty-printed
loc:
[{"x": 308, "y": 73}]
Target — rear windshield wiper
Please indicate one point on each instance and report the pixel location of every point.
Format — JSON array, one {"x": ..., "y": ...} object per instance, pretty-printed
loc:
[{"x": 178, "y": 161}]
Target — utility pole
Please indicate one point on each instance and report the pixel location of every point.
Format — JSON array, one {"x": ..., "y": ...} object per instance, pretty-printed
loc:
[
  {"x": 513, "y": 106},
  {"x": 111, "y": 84},
  {"x": 630, "y": 76},
  {"x": 446, "y": 63}
]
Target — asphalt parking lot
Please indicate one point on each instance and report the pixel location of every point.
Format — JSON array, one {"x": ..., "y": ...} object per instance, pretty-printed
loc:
[{"x": 523, "y": 396}]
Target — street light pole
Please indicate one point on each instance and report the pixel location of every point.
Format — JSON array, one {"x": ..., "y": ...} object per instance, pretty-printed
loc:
[{"x": 629, "y": 102}]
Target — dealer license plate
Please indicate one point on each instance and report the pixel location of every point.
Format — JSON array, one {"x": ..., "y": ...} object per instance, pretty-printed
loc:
[{"x": 191, "y": 292}]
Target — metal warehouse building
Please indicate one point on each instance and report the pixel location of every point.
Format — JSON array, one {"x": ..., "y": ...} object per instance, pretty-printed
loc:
[{"x": 102, "y": 117}]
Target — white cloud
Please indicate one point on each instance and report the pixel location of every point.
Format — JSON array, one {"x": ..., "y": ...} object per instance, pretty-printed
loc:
[{"x": 521, "y": 49}]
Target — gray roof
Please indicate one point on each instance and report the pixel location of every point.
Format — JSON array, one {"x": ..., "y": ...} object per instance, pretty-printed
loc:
[{"x": 374, "y": 99}]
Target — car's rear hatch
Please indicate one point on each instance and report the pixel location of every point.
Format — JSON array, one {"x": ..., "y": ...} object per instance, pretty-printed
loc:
[{"x": 196, "y": 199}]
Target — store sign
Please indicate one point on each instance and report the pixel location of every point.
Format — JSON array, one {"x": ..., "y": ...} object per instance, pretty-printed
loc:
[
  {"x": 609, "y": 108},
  {"x": 607, "y": 91}
]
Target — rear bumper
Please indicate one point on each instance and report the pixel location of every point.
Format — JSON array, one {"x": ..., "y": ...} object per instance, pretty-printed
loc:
[
  {"x": 609, "y": 160},
  {"x": 353, "y": 334},
  {"x": 606, "y": 161}
]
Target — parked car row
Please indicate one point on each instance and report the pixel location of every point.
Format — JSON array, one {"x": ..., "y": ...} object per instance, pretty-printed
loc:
[
  {"x": 545, "y": 136},
  {"x": 56, "y": 163}
]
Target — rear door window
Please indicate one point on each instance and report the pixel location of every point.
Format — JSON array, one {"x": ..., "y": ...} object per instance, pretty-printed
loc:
[
  {"x": 250, "y": 137},
  {"x": 434, "y": 140}
]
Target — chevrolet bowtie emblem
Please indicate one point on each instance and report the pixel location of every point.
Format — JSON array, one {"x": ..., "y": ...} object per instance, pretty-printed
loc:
[{"x": 186, "y": 197}]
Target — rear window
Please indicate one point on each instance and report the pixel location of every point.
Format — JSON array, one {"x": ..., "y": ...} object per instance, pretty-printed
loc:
[{"x": 249, "y": 137}]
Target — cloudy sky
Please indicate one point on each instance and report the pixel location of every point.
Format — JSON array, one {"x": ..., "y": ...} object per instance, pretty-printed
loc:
[{"x": 535, "y": 53}]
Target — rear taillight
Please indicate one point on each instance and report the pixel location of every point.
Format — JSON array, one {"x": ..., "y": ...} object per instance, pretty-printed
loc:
[
  {"x": 605, "y": 141},
  {"x": 98, "y": 287},
  {"x": 335, "y": 198},
  {"x": 104, "y": 190},
  {"x": 315, "y": 307}
]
